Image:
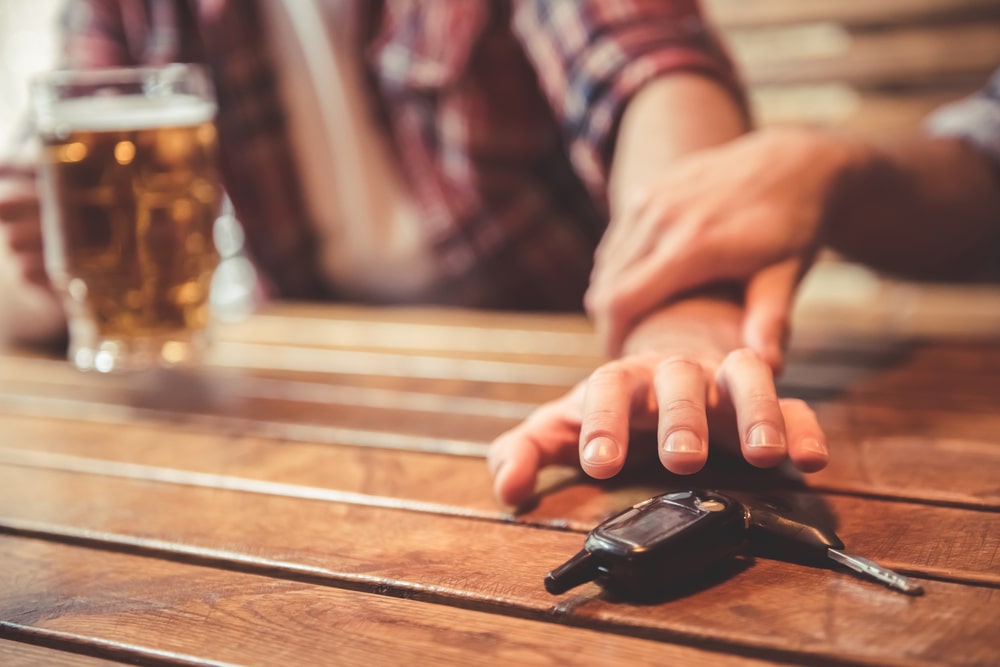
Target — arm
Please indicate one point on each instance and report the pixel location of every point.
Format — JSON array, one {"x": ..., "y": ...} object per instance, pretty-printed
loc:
[
  {"x": 920, "y": 206},
  {"x": 680, "y": 375},
  {"x": 683, "y": 373},
  {"x": 670, "y": 118},
  {"x": 690, "y": 382}
]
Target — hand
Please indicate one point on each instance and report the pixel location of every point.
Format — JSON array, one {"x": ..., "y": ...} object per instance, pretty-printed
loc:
[
  {"x": 687, "y": 389},
  {"x": 723, "y": 214},
  {"x": 20, "y": 223}
]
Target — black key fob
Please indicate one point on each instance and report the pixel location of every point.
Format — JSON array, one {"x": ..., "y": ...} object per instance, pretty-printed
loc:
[{"x": 656, "y": 544}]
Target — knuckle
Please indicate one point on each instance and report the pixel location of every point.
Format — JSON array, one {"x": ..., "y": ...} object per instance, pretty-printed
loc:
[
  {"x": 681, "y": 408},
  {"x": 610, "y": 374},
  {"x": 678, "y": 363},
  {"x": 743, "y": 356},
  {"x": 761, "y": 406}
]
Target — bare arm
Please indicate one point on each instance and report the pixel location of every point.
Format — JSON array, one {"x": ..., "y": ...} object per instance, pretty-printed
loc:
[
  {"x": 668, "y": 118},
  {"x": 922, "y": 207},
  {"x": 673, "y": 117},
  {"x": 683, "y": 373}
]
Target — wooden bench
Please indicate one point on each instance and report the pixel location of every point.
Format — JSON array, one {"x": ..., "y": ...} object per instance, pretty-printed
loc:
[
  {"x": 870, "y": 68},
  {"x": 862, "y": 66}
]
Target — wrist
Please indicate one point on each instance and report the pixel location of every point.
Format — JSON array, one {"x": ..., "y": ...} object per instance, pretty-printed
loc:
[{"x": 706, "y": 327}]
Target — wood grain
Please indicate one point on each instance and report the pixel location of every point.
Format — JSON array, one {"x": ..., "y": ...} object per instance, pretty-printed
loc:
[
  {"x": 142, "y": 518},
  {"x": 821, "y": 54},
  {"x": 942, "y": 454},
  {"x": 754, "y": 13},
  {"x": 347, "y": 547},
  {"x": 158, "y": 609},
  {"x": 18, "y": 654},
  {"x": 897, "y": 537}
]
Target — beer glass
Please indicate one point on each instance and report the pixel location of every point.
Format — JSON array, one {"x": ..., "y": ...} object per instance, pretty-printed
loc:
[{"x": 129, "y": 191}]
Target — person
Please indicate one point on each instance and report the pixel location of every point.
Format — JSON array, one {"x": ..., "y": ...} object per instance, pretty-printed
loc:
[
  {"x": 477, "y": 150},
  {"x": 754, "y": 212},
  {"x": 748, "y": 216}
]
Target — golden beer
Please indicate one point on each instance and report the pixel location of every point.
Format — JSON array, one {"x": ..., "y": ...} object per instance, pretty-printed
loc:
[{"x": 130, "y": 192}]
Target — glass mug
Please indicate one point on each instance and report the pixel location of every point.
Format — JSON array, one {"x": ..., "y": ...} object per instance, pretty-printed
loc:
[{"x": 129, "y": 190}]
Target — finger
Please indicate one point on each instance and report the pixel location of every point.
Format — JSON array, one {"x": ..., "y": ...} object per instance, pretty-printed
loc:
[
  {"x": 769, "y": 298},
  {"x": 807, "y": 446},
  {"x": 611, "y": 393},
  {"x": 616, "y": 301},
  {"x": 746, "y": 382},
  {"x": 682, "y": 430},
  {"x": 548, "y": 436}
]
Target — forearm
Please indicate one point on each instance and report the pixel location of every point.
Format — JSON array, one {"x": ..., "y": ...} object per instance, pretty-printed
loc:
[
  {"x": 670, "y": 117},
  {"x": 667, "y": 119},
  {"x": 921, "y": 207}
]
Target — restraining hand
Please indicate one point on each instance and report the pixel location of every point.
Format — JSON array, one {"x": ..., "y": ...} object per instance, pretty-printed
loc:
[
  {"x": 722, "y": 215},
  {"x": 695, "y": 382}
]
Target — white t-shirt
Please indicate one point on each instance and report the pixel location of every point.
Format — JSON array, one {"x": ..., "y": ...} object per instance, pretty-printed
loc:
[{"x": 372, "y": 246}]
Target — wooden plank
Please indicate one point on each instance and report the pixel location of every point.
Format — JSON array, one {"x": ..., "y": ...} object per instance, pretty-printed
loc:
[
  {"x": 18, "y": 654},
  {"x": 913, "y": 375},
  {"x": 973, "y": 536},
  {"x": 424, "y": 330},
  {"x": 823, "y": 53},
  {"x": 164, "y": 612},
  {"x": 213, "y": 387},
  {"x": 870, "y": 444},
  {"x": 730, "y": 14},
  {"x": 908, "y": 371},
  {"x": 870, "y": 115},
  {"x": 835, "y": 616}
]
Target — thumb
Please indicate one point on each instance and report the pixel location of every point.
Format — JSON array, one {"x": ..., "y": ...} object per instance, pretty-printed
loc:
[
  {"x": 616, "y": 300},
  {"x": 769, "y": 298}
]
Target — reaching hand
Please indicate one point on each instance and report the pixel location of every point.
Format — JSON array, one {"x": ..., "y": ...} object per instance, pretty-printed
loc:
[
  {"x": 689, "y": 388},
  {"x": 721, "y": 215}
]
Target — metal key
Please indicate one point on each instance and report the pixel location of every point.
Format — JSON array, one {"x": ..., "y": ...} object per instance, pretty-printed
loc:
[
  {"x": 875, "y": 571},
  {"x": 778, "y": 532}
]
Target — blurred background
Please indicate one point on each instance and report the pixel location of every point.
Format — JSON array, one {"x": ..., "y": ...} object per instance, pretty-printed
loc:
[
  {"x": 27, "y": 46},
  {"x": 872, "y": 68}
]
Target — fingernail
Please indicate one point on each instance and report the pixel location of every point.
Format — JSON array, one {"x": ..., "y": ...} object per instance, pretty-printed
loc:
[
  {"x": 682, "y": 442},
  {"x": 600, "y": 451},
  {"x": 814, "y": 445},
  {"x": 765, "y": 435}
]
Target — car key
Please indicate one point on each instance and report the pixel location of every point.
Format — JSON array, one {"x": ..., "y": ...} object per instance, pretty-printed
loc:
[
  {"x": 668, "y": 538},
  {"x": 777, "y": 533},
  {"x": 655, "y": 543}
]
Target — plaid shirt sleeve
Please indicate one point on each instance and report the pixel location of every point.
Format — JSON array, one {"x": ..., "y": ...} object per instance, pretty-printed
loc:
[
  {"x": 111, "y": 33},
  {"x": 976, "y": 118},
  {"x": 593, "y": 55}
]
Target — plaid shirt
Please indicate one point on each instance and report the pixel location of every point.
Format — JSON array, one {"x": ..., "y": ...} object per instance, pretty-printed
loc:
[{"x": 502, "y": 115}]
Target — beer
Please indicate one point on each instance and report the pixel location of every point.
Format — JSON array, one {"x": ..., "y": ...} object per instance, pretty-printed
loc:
[{"x": 130, "y": 192}]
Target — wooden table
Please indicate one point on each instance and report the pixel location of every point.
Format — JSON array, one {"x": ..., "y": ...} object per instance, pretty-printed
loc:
[{"x": 319, "y": 496}]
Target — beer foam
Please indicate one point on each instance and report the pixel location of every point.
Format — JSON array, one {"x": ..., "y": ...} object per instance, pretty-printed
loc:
[{"x": 126, "y": 112}]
